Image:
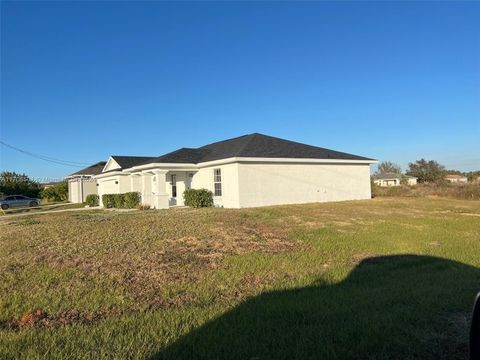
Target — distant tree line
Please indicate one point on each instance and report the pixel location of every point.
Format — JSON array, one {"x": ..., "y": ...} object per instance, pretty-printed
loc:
[
  {"x": 426, "y": 171},
  {"x": 12, "y": 183}
]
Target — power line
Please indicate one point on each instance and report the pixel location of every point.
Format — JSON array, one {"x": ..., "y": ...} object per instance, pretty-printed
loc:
[{"x": 45, "y": 158}]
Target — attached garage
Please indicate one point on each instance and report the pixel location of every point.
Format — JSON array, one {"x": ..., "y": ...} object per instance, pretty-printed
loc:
[{"x": 82, "y": 183}]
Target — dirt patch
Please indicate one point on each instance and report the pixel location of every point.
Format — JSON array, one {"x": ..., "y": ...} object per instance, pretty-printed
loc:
[
  {"x": 40, "y": 318},
  {"x": 145, "y": 251}
]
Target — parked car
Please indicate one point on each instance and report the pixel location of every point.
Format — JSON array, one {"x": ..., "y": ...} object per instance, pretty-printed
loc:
[
  {"x": 475, "y": 331},
  {"x": 13, "y": 201}
]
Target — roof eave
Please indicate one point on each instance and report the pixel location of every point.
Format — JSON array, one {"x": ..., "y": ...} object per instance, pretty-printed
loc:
[
  {"x": 160, "y": 165},
  {"x": 288, "y": 160}
]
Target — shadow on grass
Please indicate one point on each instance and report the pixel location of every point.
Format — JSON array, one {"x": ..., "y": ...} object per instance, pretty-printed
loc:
[{"x": 392, "y": 307}]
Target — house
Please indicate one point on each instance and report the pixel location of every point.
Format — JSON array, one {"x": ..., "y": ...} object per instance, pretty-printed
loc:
[
  {"x": 82, "y": 183},
  {"x": 247, "y": 171},
  {"x": 392, "y": 179},
  {"x": 50, "y": 184},
  {"x": 454, "y": 178}
]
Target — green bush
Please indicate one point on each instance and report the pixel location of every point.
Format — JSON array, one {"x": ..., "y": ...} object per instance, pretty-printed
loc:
[
  {"x": 198, "y": 198},
  {"x": 108, "y": 200},
  {"x": 92, "y": 200},
  {"x": 118, "y": 200},
  {"x": 132, "y": 200},
  {"x": 58, "y": 192},
  {"x": 128, "y": 200}
]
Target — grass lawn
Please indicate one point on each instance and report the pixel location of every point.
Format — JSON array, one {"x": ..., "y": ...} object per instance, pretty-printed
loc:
[{"x": 380, "y": 279}]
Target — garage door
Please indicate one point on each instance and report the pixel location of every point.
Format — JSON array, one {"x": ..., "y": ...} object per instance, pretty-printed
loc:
[
  {"x": 73, "y": 191},
  {"x": 109, "y": 187}
]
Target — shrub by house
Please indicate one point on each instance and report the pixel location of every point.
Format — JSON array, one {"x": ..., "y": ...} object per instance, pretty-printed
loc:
[
  {"x": 128, "y": 200},
  {"x": 92, "y": 200},
  {"x": 198, "y": 198}
]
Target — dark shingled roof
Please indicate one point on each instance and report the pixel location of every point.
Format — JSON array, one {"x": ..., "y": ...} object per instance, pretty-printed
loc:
[
  {"x": 183, "y": 155},
  {"x": 252, "y": 145},
  {"x": 94, "y": 169},
  {"x": 126, "y": 162}
]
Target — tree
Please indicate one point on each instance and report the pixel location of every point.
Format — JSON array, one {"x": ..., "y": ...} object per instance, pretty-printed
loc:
[
  {"x": 12, "y": 183},
  {"x": 426, "y": 171},
  {"x": 473, "y": 176},
  {"x": 58, "y": 192},
  {"x": 455, "y": 172},
  {"x": 387, "y": 167}
]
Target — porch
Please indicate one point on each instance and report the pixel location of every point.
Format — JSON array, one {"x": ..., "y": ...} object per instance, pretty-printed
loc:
[{"x": 161, "y": 188}]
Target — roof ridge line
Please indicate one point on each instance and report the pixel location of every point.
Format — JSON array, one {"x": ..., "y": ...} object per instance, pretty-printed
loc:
[
  {"x": 221, "y": 141},
  {"x": 247, "y": 143}
]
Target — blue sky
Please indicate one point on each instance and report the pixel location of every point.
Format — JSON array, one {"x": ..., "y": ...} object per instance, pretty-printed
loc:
[{"x": 393, "y": 80}]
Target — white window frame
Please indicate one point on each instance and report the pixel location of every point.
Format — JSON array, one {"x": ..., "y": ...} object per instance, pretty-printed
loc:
[{"x": 217, "y": 180}]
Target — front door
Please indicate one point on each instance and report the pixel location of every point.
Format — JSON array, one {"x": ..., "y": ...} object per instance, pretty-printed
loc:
[{"x": 173, "y": 184}]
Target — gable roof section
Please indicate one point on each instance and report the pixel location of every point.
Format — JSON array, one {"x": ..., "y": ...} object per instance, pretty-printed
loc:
[
  {"x": 94, "y": 169},
  {"x": 253, "y": 146},
  {"x": 183, "y": 156},
  {"x": 130, "y": 161}
]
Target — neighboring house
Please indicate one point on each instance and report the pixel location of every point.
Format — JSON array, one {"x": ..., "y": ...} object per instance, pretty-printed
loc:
[
  {"x": 247, "y": 171},
  {"x": 392, "y": 179},
  {"x": 454, "y": 178},
  {"x": 82, "y": 183},
  {"x": 50, "y": 184},
  {"x": 410, "y": 180}
]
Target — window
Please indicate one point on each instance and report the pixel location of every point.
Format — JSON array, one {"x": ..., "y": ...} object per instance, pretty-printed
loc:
[
  {"x": 174, "y": 185},
  {"x": 217, "y": 182}
]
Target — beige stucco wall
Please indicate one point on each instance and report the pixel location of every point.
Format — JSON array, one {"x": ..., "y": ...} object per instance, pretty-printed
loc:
[
  {"x": 262, "y": 184},
  {"x": 89, "y": 187},
  {"x": 78, "y": 187},
  {"x": 108, "y": 185},
  {"x": 203, "y": 179},
  {"x": 246, "y": 184},
  {"x": 146, "y": 185},
  {"x": 135, "y": 183}
]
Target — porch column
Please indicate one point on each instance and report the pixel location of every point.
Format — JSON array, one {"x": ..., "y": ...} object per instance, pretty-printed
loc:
[{"x": 159, "y": 189}]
